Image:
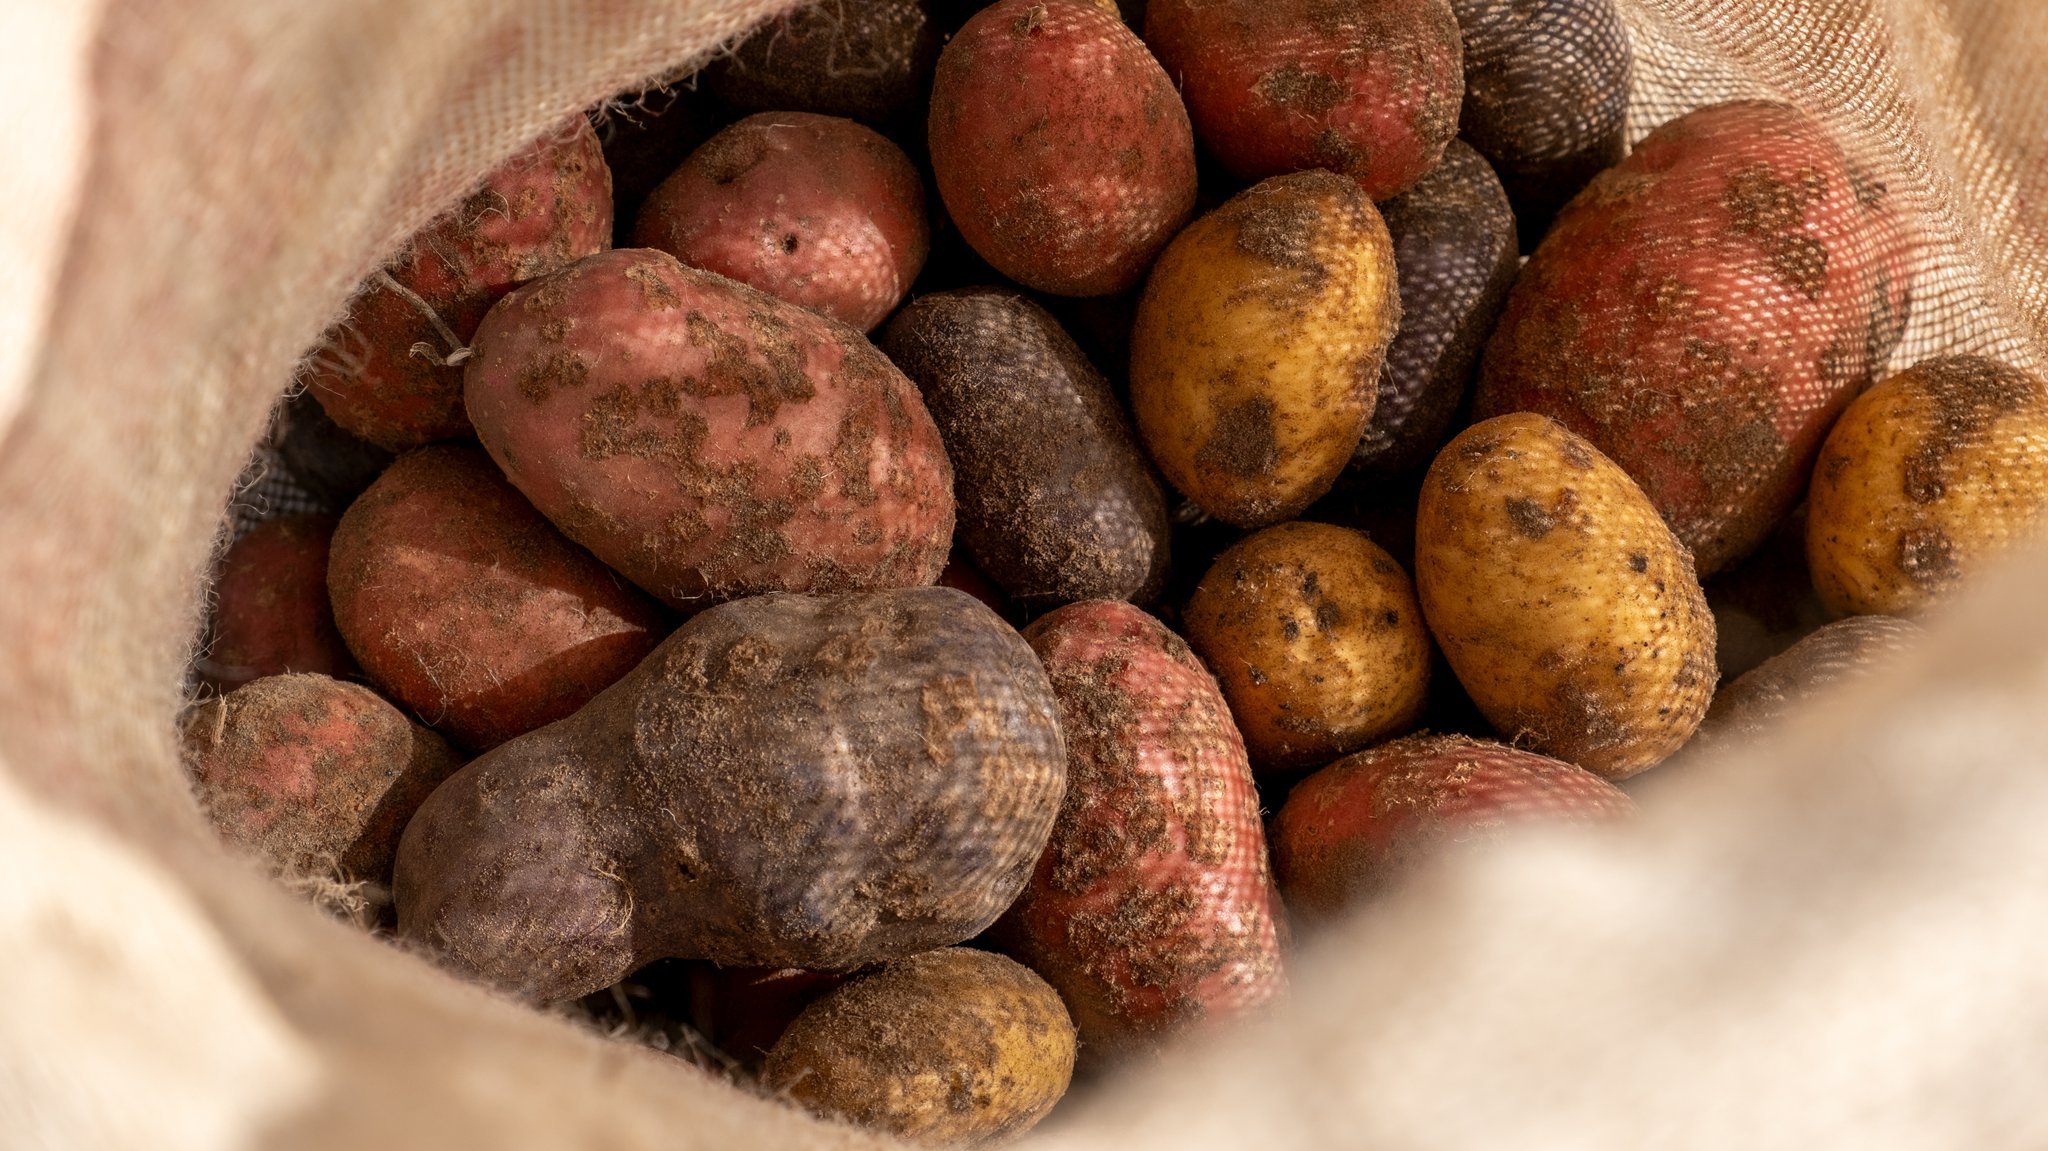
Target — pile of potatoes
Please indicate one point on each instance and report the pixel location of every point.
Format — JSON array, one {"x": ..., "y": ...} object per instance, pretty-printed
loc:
[{"x": 935, "y": 554}]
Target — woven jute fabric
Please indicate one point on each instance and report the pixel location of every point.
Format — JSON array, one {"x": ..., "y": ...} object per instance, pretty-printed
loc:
[{"x": 1835, "y": 937}]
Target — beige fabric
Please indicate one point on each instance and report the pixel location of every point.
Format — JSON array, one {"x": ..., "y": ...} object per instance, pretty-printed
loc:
[{"x": 1838, "y": 939}]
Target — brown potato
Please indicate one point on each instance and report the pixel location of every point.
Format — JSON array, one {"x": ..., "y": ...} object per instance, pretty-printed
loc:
[
  {"x": 1562, "y": 600},
  {"x": 956, "y": 1047},
  {"x": 1926, "y": 479},
  {"x": 1256, "y": 351},
  {"x": 1314, "y": 633}
]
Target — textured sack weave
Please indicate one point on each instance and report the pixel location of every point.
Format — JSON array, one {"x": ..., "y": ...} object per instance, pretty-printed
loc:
[{"x": 1839, "y": 937}]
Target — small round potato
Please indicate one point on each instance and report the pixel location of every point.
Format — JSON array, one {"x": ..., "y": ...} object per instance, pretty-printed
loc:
[
  {"x": 1314, "y": 633},
  {"x": 953, "y": 1047},
  {"x": 1928, "y": 477},
  {"x": 1561, "y": 599},
  {"x": 1256, "y": 351}
]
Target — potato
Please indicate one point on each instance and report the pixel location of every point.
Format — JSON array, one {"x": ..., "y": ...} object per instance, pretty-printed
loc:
[
  {"x": 1257, "y": 346},
  {"x": 270, "y": 612},
  {"x": 1056, "y": 502},
  {"x": 1546, "y": 96},
  {"x": 1062, "y": 152},
  {"x": 1456, "y": 255},
  {"x": 1702, "y": 313},
  {"x": 1350, "y": 830},
  {"x": 951, "y": 1048},
  {"x": 1845, "y": 650},
  {"x": 1565, "y": 605},
  {"x": 815, "y": 210},
  {"x": 788, "y": 781},
  {"x": 867, "y": 59},
  {"x": 1928, "y": 478},
  {"x": 1368, "y": 88},
  {"x": 1314, "y": 633},
  {"x": 333, "y": 464},
  {"x": 706, "y": 440},
  {"x": 470, "y": 609},
  {"x": 1153, "y": 907},
  {"x": 315, "y": 775},
  {"x": 390, "y": 371}
]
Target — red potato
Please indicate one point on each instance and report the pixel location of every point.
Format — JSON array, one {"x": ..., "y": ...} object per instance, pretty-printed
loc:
[
  {"x": 471, "y": 609},
  {"x": 1061, "y": 149},
  {"x": 270, "y": 606},
  {"x": 706, "y": 440},
  {"x": 1153, "y": 906},
  {"x": 1351, "y": 828},
  {"x": 1368, "y": 88},
  {"x": 815, "y": 210},
  {"x": 316, "y": 775},
  {"x": 390, "y": 371},
  {"x": 1702, "y": 313}
]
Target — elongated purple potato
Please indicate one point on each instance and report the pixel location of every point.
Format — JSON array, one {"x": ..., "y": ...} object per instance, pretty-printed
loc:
[{"x": 788, "y": 781}]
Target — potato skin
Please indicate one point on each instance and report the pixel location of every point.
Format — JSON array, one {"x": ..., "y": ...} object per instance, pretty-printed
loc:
[
  {"x": 1546, "y": 96},
  {"x": 868, "y": 60},
  {"x": 954, "y": 1047},
  {"x": 815, "y": 210},
  {"x": 1702, "y": 313},
  {"x": 1256, "y": 350},
  {"x": 1153, "y": 906},
  {"x": 1928, "y": 478},
  {"x": 1846, "y": 649},
  {"x": 706, "y": 440},
  {"x": 1056, "y": 501},
  {"x": 471, "y": 609},
  {"x": 314, "y": 774},
  {"x": 383, "y": 371},
  {"x": 1348, "y": 831},
  {"x": 1566, "y": 607},
  {"x": 1456, "y": 253},
  {"x": 271, "y": 614},
  {"x": 1367, "y": 88},
  {"x": 788, "y": 781},
  {"x": 1062, "y": 151},
  {"x": 1314, "y": 633}
]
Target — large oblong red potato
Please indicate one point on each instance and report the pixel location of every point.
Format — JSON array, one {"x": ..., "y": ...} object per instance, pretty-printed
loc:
[
  {"x": 390, "y": 371},
  {"x": 709, "y": 441},
  {"x": 1703, "y": 312},
  {"x": 1153, "y": 906},
  {"x": 1060, "y": 147}
]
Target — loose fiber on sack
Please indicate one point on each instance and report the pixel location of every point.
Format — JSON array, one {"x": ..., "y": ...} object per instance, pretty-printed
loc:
[{"x": 1837, "y": 938}]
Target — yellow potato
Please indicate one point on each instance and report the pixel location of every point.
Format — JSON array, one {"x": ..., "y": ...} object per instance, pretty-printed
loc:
[
  {"x": 1563, "y": 602},
  {"x": 1314, "y": 633},
  {"x": 955, "y": 1047},
  {"x": 1926, "y": 478},
  {"x": 1256, "y": 350}
]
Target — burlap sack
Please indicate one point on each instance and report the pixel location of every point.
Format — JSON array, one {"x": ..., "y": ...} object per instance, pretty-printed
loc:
[{"x": 1837, "y": 938}]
